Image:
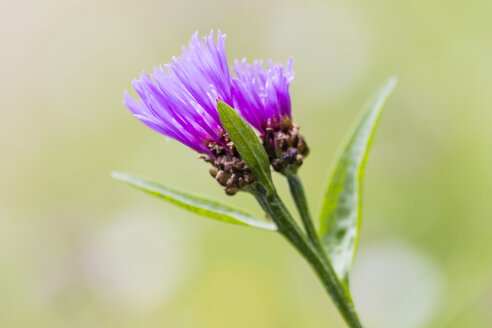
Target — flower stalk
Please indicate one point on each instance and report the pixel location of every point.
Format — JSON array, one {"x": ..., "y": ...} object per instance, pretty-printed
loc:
[
  {"x": 276, "y": 210},
  {"x": 264, "y": 191},
  {"x": 299, "y": 196}
]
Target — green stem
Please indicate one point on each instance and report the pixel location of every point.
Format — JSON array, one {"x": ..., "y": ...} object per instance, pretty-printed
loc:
[
  {"x": 297, "y": 192},
  {"x": 274, "y": 207}
]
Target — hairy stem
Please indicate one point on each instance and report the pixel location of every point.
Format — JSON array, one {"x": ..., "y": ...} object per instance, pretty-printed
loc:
[
  {"x": 297, "y": 192},
  {"x": 274, "y": 207}
]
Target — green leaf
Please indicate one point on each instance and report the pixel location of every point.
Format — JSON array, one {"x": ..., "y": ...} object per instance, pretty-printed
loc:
[
  {"x": 340, "y": 213},
  {"x": 193, "y": 203},
  {"x": 247, "y": 144}
]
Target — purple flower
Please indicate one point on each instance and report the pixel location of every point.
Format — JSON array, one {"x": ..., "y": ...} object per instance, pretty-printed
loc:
[
  {"x": 180, "y": 100},
  {"x": 261, "y": 95}
]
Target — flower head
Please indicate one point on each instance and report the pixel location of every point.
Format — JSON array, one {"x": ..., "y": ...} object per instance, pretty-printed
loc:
[
  {"x": 262, "y": 97},
  {"x": 261, "y": 94},
  {"x": 179, "y": 100}
]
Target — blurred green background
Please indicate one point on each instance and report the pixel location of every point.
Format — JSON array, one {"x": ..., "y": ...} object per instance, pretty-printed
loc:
[{"x": 80, "y": 250}]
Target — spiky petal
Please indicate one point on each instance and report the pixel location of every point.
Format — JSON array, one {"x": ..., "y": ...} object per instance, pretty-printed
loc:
[
  {"x": 179, "y": 100},
  {"x": 262, "y": 97},
  {"x": 261, "y": 94}
]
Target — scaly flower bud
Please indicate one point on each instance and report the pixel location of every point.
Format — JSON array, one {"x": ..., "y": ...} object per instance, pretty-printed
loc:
[
  {"x": 284, "y": 145},
  {"x": 228, "y": 168}
]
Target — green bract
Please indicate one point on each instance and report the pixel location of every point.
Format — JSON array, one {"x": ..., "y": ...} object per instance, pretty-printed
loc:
[{"x": 247, "y": 144}]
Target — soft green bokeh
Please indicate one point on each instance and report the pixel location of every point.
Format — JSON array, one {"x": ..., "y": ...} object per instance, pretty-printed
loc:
[{"x": 81, "y": 250}]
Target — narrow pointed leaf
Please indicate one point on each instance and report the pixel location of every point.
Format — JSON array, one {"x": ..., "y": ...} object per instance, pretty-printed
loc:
[
  {"x": 193, "y": 203},
  {"x": 340, "y": 213},
  {"x": 247, "y": 143}
]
